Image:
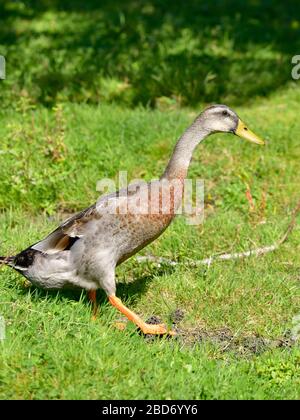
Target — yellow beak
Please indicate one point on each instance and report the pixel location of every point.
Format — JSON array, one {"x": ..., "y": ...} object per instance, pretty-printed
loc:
[{"x": 244, "y": 132}]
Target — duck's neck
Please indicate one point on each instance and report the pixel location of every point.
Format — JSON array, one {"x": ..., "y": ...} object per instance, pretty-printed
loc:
[{"x": 179, "y": 163}]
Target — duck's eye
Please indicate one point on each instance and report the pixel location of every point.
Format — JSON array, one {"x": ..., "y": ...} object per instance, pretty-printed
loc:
[{"x": 225, "y": 113}]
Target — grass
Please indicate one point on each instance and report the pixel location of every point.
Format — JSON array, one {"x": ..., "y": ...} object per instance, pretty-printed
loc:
[
  {"x": 158, "y": 53},
  {"x": 50, "y": 162}
]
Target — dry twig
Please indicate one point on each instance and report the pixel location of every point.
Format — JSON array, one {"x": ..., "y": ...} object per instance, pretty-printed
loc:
[{"x": 238, "y": 255}]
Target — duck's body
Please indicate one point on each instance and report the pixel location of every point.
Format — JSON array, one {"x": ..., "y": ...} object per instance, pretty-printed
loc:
[{"x": 85, "y": 250}]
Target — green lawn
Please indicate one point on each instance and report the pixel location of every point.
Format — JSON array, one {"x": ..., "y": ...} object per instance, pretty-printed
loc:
[
  {"x": 157, "y": 52},
  {"x": 234, "y": 337}
]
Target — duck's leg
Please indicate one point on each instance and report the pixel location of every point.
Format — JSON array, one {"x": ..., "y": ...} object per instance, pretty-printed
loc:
[
  {"x": 145, "y": 328},
  {"x": 108, "y": 284},
  {"x": 92, "y": 295}
]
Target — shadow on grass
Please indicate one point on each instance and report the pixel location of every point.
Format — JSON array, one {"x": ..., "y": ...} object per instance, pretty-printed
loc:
[
  {"x": 131, "y": 291},
  {"x": 133, "y": 53}
]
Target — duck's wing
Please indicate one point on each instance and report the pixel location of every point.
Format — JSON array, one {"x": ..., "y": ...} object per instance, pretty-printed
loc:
[
  {"x": 63, "y": 237},
  {"x": 74, "y": 228}
]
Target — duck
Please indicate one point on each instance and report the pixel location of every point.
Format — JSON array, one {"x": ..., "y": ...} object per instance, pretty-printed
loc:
[{"x": 85, "y": 250}]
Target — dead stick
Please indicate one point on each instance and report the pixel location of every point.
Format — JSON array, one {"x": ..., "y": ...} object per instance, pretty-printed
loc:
[{"x": 234, "y": 256}]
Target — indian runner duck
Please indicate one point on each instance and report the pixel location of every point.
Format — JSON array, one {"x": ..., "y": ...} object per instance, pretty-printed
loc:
[{"x": 85, "y": 250}]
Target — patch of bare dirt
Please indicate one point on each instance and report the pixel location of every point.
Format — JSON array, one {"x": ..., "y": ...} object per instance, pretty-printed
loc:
[
  {"x": 226, "y": 341},
  {"x": 223, "y": 338}
]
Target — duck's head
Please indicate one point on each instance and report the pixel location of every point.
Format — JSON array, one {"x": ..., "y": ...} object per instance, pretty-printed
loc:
[{"x": 222, "y": 119}]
